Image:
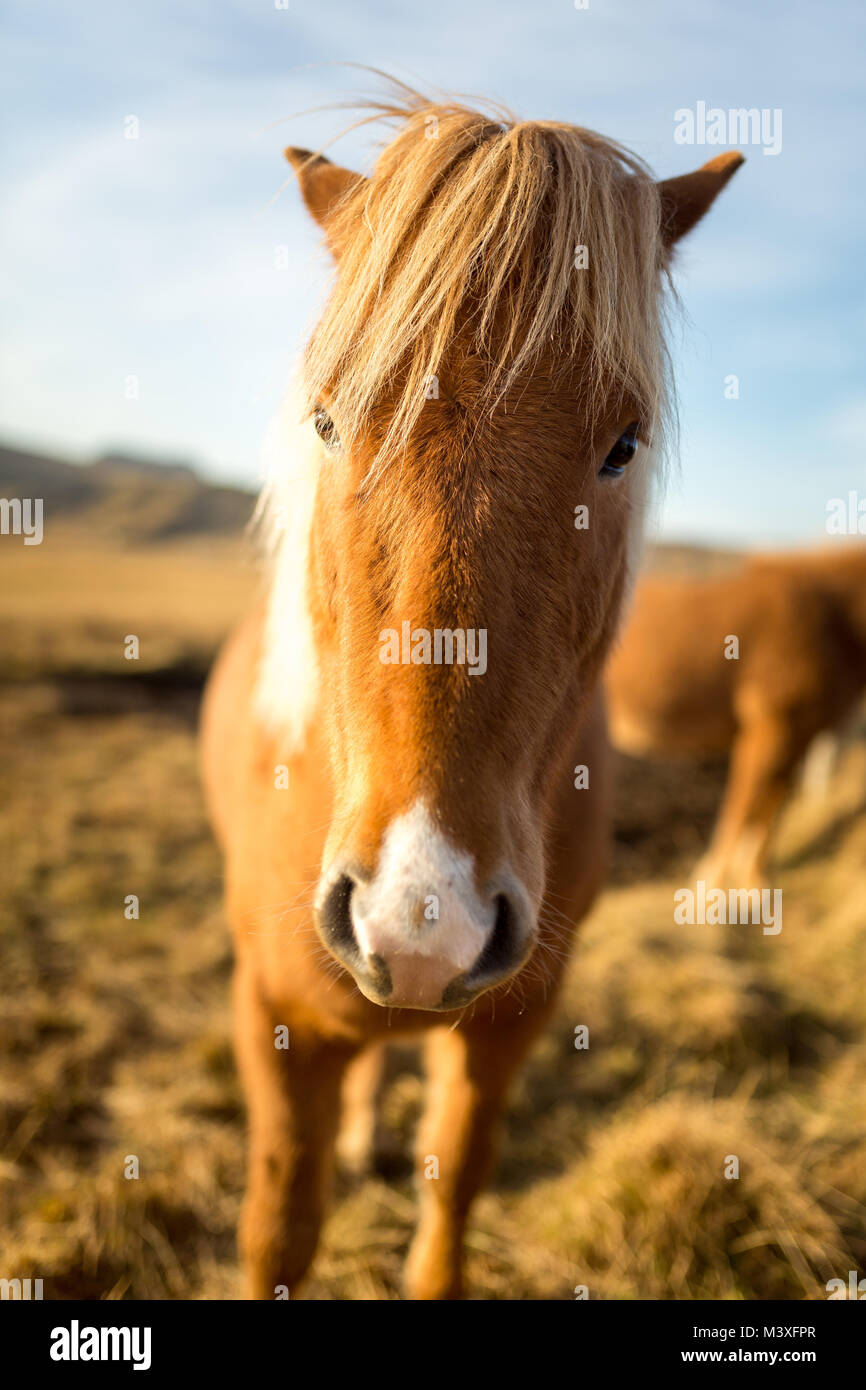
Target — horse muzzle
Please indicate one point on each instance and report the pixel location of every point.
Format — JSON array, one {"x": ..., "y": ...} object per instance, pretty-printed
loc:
[{"x": 418, "y": 933}]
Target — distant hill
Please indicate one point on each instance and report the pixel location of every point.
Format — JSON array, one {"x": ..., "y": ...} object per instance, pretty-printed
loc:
[
  {"x": 135, "y": 463},
  {"x": 678, "y": 558},
  {"x": 125, "y": 497}
]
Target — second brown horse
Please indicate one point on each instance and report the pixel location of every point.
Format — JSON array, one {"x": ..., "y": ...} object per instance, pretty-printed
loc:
[{"x": 754, "y": 664}]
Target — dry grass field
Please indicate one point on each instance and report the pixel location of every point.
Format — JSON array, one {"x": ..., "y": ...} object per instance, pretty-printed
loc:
[{"x": 115, "y": 1034}]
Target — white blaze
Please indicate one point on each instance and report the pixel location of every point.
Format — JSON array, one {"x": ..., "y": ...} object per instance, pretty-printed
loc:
[{"x": 416, "y": 863}]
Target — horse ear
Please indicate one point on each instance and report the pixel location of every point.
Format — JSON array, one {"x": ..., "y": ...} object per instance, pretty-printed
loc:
[
  {"x": 323, "y": 184},
  {"x": 685, "y": 199}
]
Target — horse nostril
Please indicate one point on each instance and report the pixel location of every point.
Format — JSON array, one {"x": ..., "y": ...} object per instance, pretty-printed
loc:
[
  {"x": 335, "y": 918},
  {"x": 338, "y": 932},
  {"x": 504, "y": 947},
  {"x": 504, "y": 952}
]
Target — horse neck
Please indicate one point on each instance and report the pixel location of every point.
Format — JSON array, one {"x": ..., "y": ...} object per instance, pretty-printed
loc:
[{"x": 844, "y": 577}]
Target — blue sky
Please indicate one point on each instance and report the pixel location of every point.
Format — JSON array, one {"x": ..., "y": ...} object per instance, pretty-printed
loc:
[{"x": 156, "y": 258}]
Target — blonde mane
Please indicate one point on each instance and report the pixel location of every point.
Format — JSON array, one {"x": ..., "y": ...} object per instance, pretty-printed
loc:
[{"x": 470, "y": 219}]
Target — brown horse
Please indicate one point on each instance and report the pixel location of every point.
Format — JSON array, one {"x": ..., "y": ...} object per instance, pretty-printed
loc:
[
  {"x": 390, "y": 747},
  {"x": 678, "y": 684}
]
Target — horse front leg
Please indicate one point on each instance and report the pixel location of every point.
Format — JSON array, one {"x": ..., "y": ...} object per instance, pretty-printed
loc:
[
  {"x": 468, "y": 1077},
  {"x": 293, "y": 1102},
  {"x": 362, "y": 1088},
  {"x": 761, "y": 773}
]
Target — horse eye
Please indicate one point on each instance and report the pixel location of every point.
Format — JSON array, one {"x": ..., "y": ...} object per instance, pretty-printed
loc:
[
  {"x": 326, "y": 429},
  {"x": 622, "y": 453}
]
